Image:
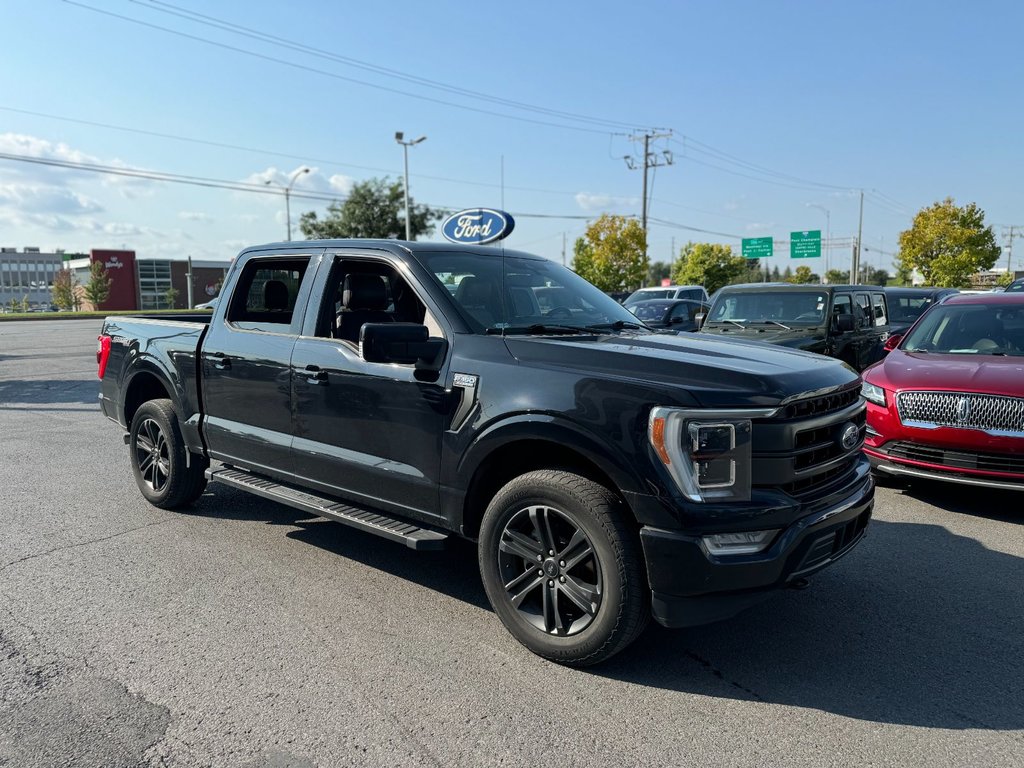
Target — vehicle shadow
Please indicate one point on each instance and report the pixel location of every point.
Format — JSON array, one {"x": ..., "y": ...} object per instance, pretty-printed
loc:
[
  {"x": 55, "y": 392},
  {"x": 990, "y": 504},
  {"x": 452, "y": 571},
  {"x": 918, "y": 626}
]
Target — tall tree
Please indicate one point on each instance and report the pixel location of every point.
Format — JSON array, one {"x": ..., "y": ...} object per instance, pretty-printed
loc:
[
  {"x": 612, "y": 254},
  {"x": 374, "y": 208},
  {"x": 803, "y": 275},
  {"x": 98, "y": 288},
  {"x": 837, "y": 276},
  {"x": 64, "y": 285},
  {"x": 948, "y": 243},
  {"x": 709, "y": 264}
]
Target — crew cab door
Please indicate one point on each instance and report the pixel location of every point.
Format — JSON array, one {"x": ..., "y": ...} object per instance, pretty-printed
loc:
[
  {"x": 368, "y": 432},
  {"x": 246, "y": 363},
  {"x": 846, "y": 345}
]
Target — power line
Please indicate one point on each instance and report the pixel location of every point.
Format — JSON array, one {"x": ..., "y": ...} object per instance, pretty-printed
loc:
[
  {"x": 334, "y": 75},
  {"x": 255, "y": 34},
  {"x": 236, "y": 186},
  {"x": 275, "y": 153}
]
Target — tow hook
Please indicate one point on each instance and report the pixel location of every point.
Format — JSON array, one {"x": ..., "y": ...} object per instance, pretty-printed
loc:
[{"x": 799, "y": 584}]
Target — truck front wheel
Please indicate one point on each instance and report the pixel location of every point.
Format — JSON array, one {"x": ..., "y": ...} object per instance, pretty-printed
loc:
[
  {"x": 562, "y": 567},
  {"x": 167, "y": 476}
]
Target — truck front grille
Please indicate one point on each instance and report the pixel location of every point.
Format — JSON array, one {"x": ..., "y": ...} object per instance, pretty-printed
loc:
[
  {"x": 966, "y": 410},
  {"x": 804, "y": 453}
]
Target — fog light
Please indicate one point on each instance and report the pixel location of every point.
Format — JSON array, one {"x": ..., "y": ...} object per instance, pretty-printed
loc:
[{"x": 742, "y": 543}]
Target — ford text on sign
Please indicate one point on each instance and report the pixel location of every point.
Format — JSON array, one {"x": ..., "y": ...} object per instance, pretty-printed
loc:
[{"x": 477, "y": 225}]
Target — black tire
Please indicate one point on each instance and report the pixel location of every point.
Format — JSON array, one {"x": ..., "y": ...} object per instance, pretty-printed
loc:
[
  {"x": 166, "y": 475},
  {"x": 544, "y": 612}
]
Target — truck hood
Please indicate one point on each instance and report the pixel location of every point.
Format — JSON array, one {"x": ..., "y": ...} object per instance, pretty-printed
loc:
[
  {"x": 959, "y": 373},
  {"x": 716, "y": 372}
]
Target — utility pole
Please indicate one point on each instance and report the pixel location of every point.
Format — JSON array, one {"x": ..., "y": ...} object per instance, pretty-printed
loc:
[
  {"x": 190, "y": 281},
  {"x": 855, "y": 271},
  {"x": 563, "y": 249},
  {"x": 1009, "y": 233},
  {"x": 650, "y": 160}
]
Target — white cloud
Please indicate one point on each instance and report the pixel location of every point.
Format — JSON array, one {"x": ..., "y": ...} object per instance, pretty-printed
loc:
[
  {"x": 46, "y": 198},
  {"x": 759, "y": 226},
  {"x": 313, "y": 181},
  {"x": 195, "y": 216},
  {"x": 592, "y": 202}
]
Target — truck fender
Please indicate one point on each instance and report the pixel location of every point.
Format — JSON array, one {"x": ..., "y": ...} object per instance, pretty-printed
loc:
[{"x": 552, "y": 429}]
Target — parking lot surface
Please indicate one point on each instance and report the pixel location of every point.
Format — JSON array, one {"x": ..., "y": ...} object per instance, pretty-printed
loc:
[{"x": 245, "y": 633}]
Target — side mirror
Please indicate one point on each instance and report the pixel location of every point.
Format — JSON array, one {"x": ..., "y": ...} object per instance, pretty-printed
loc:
[
  {"x": 845, "y": 323},
  {"x": 699, "y": 319},
  {"x": 892, "y": 342},
  {"x": 676, "y": 320},
  {"x": 403, "y": 343}
]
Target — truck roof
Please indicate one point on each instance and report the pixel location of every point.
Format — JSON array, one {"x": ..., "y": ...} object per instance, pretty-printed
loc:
[
  {"x": 398, "y": 247},
  {"x": 755, "y": 287}
]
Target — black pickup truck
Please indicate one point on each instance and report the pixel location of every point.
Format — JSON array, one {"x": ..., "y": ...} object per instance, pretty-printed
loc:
[
  {"x": 421, "y": 391},
  {"x": 849, "y": 322}
]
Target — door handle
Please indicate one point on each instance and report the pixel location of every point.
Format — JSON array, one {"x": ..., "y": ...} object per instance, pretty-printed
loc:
[
  {"x": 221, "y": 362},
  {"x": 315, "y": 375}
]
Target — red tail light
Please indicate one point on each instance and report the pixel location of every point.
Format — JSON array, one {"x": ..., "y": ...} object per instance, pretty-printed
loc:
[{"x": 102, "y": 354}]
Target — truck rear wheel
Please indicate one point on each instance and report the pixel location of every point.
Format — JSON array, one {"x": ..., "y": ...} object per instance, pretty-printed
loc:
[
  {"x": 167, "y": 476},
  {"x": 562, "y": 568}
]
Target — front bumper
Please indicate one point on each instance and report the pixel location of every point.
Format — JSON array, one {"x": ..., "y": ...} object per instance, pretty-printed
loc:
[{"x": 690, "y": 586}]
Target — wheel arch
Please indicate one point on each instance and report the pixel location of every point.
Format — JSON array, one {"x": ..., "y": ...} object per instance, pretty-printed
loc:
[{"x": 527, "y": 443}]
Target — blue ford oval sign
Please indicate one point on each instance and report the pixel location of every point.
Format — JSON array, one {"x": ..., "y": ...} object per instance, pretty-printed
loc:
[{"x": 477, "y": 226}]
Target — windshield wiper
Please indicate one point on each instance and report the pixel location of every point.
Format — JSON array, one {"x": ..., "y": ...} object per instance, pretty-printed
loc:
[
  {"x": 538, "y": 329},
  {"x": 617, "y": 325},
  {"x": 734, "y": 322},
  {"x": 776, "y": 322}
]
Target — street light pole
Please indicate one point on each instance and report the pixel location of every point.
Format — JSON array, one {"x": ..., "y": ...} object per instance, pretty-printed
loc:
[
  {"x": 828, "y": 233},
  {"x": 399, "y": 135},
  {"x": 287, "y": 195}
]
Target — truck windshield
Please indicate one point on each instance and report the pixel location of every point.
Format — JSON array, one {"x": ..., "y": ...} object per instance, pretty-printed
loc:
[
  {"x": 969, "y": 329},
  {"x": 773, "y": 307},
  {"x": 533, "y": 295}
]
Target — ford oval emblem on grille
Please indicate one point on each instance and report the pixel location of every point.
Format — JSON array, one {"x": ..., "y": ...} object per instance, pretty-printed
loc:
[
  {"x": 477, "y": 226},
  {"x": 850, "y": 436}
]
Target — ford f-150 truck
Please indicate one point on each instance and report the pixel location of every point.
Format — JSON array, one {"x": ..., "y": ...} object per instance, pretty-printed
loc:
[{"x": 421, "y": 391}]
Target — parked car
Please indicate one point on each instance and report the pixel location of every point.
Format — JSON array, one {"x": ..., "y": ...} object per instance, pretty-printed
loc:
[
  {"x": 947, "y": 403},
  {"x": 608, "y": 473},
  {"x": 849, "y": 322},
  {"x": 908, "y": 304},
  {"x": 1017, "y": 286},
  {"x": 694, "y": 292},
  {"x": 675, "y": 314}
]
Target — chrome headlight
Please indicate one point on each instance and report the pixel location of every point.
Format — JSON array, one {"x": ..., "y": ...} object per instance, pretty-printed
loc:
[
  {"x": 706, "y": 453},
  {"x": 873, "y": 393}
]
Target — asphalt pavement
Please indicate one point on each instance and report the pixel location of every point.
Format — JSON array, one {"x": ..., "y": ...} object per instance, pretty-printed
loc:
[{"x": 245, "y": 633}]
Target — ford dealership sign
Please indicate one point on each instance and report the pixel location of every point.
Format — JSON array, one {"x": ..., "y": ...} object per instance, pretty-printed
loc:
[{"x": 477, "y": 226}]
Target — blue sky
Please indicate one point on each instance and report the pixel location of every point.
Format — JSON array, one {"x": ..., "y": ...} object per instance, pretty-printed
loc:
[{"x": 910, "y": 101}]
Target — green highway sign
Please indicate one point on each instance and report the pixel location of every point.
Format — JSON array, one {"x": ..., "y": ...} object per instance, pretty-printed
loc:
[
  {"x": 757, "y": 247},
  {"x": 805, "y": 245}
]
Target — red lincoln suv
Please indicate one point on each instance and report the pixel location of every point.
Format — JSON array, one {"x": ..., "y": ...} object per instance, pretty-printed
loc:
[{"x": 947, "y": 402}]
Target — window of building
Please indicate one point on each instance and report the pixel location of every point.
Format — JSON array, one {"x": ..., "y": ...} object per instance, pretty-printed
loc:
[{"x": 154, "y": 283}]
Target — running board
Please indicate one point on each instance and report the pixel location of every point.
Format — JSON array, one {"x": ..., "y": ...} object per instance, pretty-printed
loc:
[{"x": 370, "y": 521}]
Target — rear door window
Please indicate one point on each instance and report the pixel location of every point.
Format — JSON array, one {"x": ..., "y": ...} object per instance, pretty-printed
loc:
[
  {"x": 878, "y": 309},
  {"x": 266, "y": 294}
]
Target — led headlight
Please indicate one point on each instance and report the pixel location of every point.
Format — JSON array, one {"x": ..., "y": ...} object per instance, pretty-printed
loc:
[
  {"x": 873, "y": 393},
  {"x": 707, "y": 454}
]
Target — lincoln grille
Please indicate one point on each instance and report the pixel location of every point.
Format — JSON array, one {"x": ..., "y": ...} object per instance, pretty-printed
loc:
[{"x": 990, "y": 413}]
